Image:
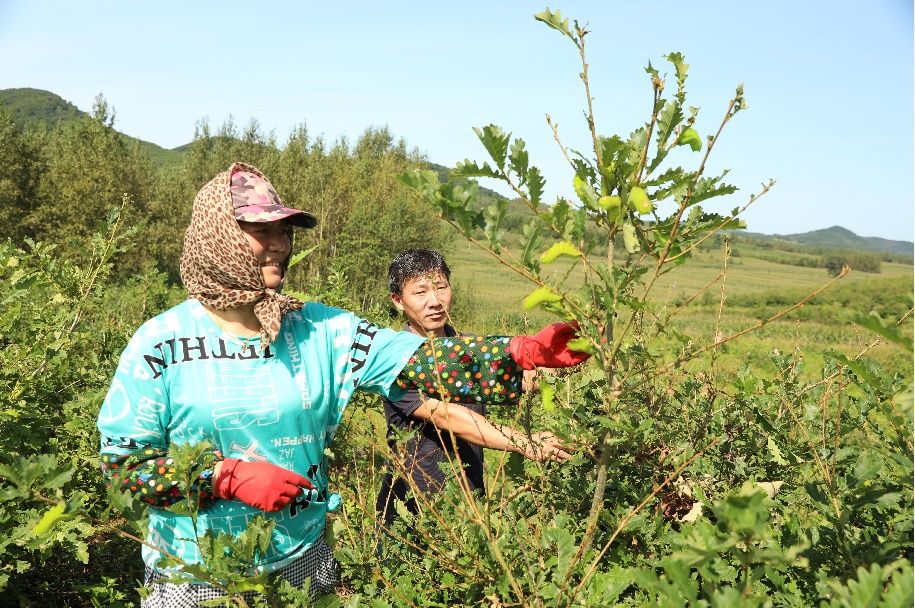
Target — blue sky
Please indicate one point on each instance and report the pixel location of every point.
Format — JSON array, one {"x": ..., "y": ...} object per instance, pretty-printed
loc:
[{"x": 829, "y": 83}]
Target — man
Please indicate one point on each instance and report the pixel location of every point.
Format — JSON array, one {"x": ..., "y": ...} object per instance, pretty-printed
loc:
[{"x": 443, "y": 433}]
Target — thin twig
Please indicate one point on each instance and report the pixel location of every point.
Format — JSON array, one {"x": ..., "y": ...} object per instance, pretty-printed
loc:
[
  {"x": 555, "y": 128},
  {"x": 728, "y": 220}
]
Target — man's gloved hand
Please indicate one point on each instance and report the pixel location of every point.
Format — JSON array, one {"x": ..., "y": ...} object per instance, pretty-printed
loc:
[
  {"x": 259, "y": 484},
  {"x": 547, "y": 348}
]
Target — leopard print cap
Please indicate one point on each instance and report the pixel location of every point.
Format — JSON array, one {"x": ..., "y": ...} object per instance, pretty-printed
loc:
[{"x": 218, "y": 267}]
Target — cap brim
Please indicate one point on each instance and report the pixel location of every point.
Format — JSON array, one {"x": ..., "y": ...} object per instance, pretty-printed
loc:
[
  {"x": 299, "y": 218},
  {"x": 295, "y": 217}
]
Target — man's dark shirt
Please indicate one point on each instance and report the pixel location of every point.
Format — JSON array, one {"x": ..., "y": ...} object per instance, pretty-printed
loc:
[{"x": 424, "y": 451}]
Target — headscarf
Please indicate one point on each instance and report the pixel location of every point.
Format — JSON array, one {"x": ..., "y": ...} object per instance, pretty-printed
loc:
[{"x": 218, "y": 266}]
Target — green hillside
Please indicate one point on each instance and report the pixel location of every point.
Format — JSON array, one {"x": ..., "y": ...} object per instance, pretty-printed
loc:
[
  {"x": 38, "y": 106},
  {"x": 28, "y": 105},
  {"x": 838, "y": 237},
  {"x": 835, "y": 238}
]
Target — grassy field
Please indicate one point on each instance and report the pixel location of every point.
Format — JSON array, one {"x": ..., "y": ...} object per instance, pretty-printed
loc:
[{"x": 489, "y": 295}]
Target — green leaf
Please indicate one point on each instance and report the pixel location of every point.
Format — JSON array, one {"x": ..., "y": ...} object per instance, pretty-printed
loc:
[
  {"x": 535, "y": 184},
  {"x": 865, "y": 590},
  {"x": 555, "y": 21},
  {"x": 899, "y": 591},
  {"x": 495, "y": 214},
  {"x": 514, "y": 466},
  {"x": 539, "y": 297},
  {"x": 297, "y": 258},
  {"x": 424, "y": 181},
  {"x": 652, "y": 71},
  {"x": 630, "y": 240},
  {"x": 711, "y": 187},
  {"x": 606, "y": 586},
  {"x": 775, "y": 452},
  {"x": 562, "y": 248},
  {"x": 860, "y": 371},
  {"x": 581, "y": 345},
  {"x": 585, "y": 192},
  {"x": 744, "y": 512},
  {"x": 469, "y": 168},
  {"x": 558, "y": 215},
  {"x": 547, "y": 396},
  {"x": 402, "y": 511},
  {"x": 496, "y": 143},
  {"x": 680, "y": 68},
  {"x": 530, "y": 238},
  {"x": 691, "y": 138},
  {"x": 638, "y": 141},
  {"x": 518, "y": 160},
  {"x": 887, "y": 330},
  {"x": 670, "y": 117},
  {"x": 867, "y": 466}
]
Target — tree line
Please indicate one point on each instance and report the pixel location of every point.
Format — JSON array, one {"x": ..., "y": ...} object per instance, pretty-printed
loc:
[{"x": 61, "y": 181}]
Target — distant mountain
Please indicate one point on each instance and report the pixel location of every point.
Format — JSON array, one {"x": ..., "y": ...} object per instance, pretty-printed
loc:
[
  {"x": 838, "y": 237},
  {"x": 36, "y": 105},
  {"x": 834, "y": 238}
]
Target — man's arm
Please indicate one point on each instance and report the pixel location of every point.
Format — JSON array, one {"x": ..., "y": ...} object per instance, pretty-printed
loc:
[{"x": 478, "y": 430}]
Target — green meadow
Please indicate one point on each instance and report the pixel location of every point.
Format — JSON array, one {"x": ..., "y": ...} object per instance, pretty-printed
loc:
[{"x": 489, "y": 295}]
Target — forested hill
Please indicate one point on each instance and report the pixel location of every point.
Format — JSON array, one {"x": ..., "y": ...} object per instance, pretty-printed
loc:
[
  {"x": 834, "y": 238},
  {"x": 838, "y": 237},
  {"x": 36, "y": 105},
  {"x": 26, "y": 105}
]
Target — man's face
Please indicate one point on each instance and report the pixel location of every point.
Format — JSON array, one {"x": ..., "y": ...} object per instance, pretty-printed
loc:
[{"x": 426, "y": 300}]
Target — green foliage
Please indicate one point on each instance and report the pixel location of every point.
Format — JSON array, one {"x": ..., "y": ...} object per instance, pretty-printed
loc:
[
  {"x": 62, "y": 328},
  {"x": 19, "y": 153},
  {"x": 691, "y": 487},
  {"x": 62, "y": 181},
  {"x": 875, "y": 587},
  {"x": 86, "y": 170}
]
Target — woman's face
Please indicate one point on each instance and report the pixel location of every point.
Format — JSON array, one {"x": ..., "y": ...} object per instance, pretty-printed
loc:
[{"x": 271, "y": 246}]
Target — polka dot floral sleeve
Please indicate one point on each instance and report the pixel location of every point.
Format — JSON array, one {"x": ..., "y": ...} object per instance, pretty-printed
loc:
[
  {"x": 150, "y": 475},
  {"x": 464, "y": 369}
]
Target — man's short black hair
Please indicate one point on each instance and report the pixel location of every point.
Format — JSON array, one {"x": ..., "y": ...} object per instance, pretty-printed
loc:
[{"x": 414, "y": 263}]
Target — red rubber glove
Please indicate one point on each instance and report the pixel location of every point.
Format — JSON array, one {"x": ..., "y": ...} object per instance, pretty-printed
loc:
[
  {"x": 259, "y": 484},
  {"x": 547, "y": 348}
]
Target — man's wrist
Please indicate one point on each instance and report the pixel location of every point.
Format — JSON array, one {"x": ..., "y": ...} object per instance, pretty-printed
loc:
[{"x": 517, "y": 442}]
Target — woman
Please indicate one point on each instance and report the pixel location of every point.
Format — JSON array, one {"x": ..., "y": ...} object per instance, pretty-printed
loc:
[{"x": 264, "y": 379}]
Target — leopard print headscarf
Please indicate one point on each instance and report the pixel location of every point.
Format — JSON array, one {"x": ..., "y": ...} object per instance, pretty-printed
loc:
[{"x": 218, "y": 266}]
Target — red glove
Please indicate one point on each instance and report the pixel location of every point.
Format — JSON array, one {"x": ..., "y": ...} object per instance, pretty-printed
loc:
[
  {"x": 259, "y": 484},
  {"x": 547, "y": 348}
]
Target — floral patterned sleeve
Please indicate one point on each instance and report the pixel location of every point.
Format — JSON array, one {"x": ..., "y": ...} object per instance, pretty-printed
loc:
[
  {"x": 149, "y": 474},
  {"x": 464, "y": 369}
]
